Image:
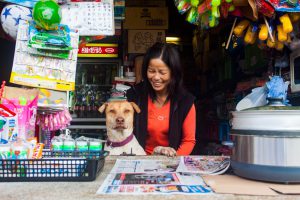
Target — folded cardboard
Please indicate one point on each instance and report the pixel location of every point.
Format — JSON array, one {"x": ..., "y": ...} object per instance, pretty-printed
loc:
[
  {"x": 146, "y": 18},
  {"x": 231, "y": 184},
  {"x": 140, "y": 40}
]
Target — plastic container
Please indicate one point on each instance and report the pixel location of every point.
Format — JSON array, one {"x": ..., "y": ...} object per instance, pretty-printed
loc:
[{"x": 55, "y": 166}]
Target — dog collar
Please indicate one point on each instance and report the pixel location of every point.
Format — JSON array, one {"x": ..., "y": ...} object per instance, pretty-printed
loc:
[{"x": 119, "y": 144}]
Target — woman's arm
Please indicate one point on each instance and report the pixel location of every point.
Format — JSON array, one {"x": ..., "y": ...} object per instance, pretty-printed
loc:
[{"x": 189, "y": 131}]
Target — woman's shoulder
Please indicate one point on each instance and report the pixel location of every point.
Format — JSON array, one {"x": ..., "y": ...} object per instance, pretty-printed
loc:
[{"x": 135, "y": 90}]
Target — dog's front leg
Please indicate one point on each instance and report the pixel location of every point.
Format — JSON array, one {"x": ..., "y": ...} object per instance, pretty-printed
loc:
[{"x": 167, "y": 151}]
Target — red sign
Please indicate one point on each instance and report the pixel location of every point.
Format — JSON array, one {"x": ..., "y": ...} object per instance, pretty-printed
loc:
[{"x": 98, "y": 50}]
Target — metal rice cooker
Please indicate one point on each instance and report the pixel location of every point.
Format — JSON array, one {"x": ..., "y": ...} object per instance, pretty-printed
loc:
[{"x": 266, "y": 143}]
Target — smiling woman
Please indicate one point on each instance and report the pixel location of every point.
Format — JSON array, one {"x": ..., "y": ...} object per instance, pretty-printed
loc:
[{"x": 166, "y": 124}]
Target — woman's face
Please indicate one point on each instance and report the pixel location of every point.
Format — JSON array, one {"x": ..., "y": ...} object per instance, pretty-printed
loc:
[{"x": 159, "y": 75}]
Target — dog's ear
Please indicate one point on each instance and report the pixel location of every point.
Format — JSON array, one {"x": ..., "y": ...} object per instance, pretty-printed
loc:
[
  {"x": 102, "y": 108},
  {"x": 135, "y": 107}
]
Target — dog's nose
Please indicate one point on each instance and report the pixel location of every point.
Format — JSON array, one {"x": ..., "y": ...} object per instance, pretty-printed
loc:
[{"x": 120, "y": 120}]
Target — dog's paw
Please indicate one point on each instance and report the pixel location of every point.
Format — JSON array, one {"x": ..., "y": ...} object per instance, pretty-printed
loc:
[{"x": 167, "y": 151}]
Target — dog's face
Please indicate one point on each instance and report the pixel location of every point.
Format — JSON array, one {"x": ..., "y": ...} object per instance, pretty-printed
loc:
[{"x": 119, "y": 114}]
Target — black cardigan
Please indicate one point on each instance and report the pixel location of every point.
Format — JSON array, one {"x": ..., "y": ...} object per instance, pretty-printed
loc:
[{"x": 180, "y": 106}]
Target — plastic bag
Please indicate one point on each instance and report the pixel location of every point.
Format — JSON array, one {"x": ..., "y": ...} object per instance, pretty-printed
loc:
[{"x": 258, "y": 97}]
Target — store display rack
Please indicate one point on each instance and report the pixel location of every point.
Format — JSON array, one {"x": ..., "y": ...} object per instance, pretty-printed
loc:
[{"x": 54, "y": 166}]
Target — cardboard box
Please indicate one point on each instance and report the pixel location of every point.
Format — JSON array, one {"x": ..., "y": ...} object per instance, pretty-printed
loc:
[
  {"x": 146, "y": 18},
  {"x": 140, "y": 40}
]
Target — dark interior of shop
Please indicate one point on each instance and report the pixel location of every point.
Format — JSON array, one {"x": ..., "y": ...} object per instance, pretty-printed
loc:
[{"x": 218, "y": 78}]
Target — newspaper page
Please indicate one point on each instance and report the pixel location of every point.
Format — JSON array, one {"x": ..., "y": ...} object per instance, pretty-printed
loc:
[
  {"x": 152, "y": 177},
  {"x": 154, "y": 183}
]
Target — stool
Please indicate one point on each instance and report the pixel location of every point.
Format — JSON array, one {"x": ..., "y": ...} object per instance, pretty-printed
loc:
[{"x": 224, "y": 128}]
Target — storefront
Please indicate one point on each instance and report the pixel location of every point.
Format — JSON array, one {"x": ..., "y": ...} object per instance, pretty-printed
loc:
[{"x": 240, "y": 61}]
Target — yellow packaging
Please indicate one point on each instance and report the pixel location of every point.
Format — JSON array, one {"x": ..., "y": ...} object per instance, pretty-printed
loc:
[
  {"x": 286, "y": 23},
  {"x": 271, "y": 44},
  {"x": 281, "y": 35},
  {"x": 239, "y": 29},
  {"x": 250, "y": 36},
  {"x": 263, "y": 33},
  {"x": 279, "y": 45}
]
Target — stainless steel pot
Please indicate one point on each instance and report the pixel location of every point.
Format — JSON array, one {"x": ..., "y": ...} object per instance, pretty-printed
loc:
[{"x": 267, "y": 144}]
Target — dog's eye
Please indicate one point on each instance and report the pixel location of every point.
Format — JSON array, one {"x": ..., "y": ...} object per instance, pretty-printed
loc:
[
  {"x": 112, "y": 111},
  {"x": 126, "y": 111}
]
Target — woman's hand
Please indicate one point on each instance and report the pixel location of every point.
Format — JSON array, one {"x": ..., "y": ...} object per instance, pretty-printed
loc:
[{"x": 167, "y": 151}]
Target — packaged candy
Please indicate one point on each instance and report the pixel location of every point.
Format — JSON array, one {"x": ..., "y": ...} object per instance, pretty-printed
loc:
[
  {"x": 57, "y": 144},
  {"x": 286, "y": 23},
  {"x": 239, "y": 29},
  {"x": 38, "y": 151},
  {"x": 69, "y": 144},
  {"x": 19, "y": 150},
  {"x": 263, "y": 33},
  {"x": 4, "y": 151},
  {"x": 251, "y": 35},
  {"x": 95, "y": 145},
  {"x": 281, "y": 35},
  {"x": 82, "y": 145}
]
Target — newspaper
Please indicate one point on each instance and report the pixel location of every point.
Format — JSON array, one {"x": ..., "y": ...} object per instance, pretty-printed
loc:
[
  {"x": 154, "y": 177},
  {"x": 154, "y": 183}
]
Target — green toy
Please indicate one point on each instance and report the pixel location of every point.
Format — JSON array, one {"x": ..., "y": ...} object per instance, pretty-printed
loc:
[{"x": 47, "y": 14}]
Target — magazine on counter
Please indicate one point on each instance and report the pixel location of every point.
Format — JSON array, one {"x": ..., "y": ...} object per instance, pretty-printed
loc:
[
  {"x": 212, "y": 165},
  {"x": 154, "y": 183}
]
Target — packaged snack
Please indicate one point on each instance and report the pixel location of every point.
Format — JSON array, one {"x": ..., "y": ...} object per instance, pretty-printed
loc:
[
  {"x": 281, "y": 35},
  {"x": 95, "y": 145},
  {"x": 69, "y": 144},
  {"x": 239, "y": 29},
  {"x": 82, "y": 145},
  {"x": 57, "y": 144},
  {"x": 263, "y": 33},
  {"x": 5, "y": 152},
  {"x": 38, "y": 151}
]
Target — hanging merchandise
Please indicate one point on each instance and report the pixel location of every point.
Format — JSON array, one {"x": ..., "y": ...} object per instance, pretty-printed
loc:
[
  {"x": 12, "y": 16},
  {"x": 205, "y": 13},
  {"x": 26, "y": 3},
  {"x": 47, "y": 14},
  {"x": 24, "y": 103},
  {"x": 43, "y": 71},
  {"x": 53, "y": 43},
  {"x": 90, "y": 18},
  {"x": 274, "y": 32},
  {"x": 285, "y": 5},
  {"x": 54, "y": 121}
]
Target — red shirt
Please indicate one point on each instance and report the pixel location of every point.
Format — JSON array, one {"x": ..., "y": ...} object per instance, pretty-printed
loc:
[{"x": 158, "y": 128}]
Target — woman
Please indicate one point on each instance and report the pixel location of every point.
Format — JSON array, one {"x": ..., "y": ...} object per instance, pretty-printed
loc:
[{"x": 167, "y": 122}]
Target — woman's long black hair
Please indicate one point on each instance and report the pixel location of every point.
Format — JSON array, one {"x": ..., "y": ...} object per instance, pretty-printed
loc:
[{"x": 170, "y": 56}]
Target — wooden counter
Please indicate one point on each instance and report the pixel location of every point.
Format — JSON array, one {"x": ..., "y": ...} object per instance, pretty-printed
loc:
[{"x": 87, "y": 190}]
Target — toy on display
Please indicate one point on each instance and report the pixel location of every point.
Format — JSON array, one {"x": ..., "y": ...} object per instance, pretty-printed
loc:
[
  {"x": 47, "y": 14},
  {"x": 12, "y": 16},
  {"x": 205, "y": 13}
]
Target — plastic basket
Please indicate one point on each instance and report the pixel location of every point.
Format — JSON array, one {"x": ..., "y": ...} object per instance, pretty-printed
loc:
[{"x": 54, "y": 166}]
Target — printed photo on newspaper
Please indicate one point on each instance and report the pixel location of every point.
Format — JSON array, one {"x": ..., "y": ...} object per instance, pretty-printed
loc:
[
  {"x": 136, "y": 166},
  {"x": 154, "y": 183},
  {"x": 204, "y": 164}
]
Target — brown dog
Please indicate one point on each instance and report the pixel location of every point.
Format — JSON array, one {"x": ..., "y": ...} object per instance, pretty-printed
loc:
[{"x": 119, "y": 125}]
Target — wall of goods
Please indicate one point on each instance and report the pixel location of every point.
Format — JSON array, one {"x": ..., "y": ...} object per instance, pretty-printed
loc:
[
  {"x": 237, "y": 45},
  {"x": 64, "y": 64},
  {"x": 252, "y": 40}
]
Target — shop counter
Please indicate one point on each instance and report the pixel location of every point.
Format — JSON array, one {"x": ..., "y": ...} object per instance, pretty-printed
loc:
[{"x": 87, "y": 190}]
